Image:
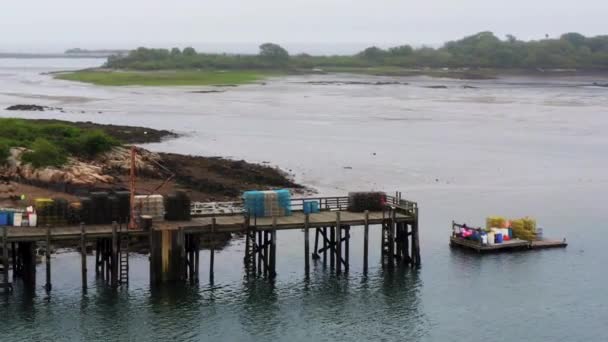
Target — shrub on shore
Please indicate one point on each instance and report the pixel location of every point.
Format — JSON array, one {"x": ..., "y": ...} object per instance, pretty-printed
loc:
[{"x": 51, "y": 143}]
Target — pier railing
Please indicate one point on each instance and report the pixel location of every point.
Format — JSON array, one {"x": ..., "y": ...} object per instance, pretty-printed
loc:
[{"x": 328, "y": 203}]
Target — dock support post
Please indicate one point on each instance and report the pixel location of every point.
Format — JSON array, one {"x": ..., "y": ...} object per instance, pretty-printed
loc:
[
  {"x": 365, "y": 241},
  {"x": 338, "y": 244},
  {"x": 324, "y": 246},
  {"x": 259, "y": 252},
  {"x": 212, "y": 252},
  {"x": 415, "y": 243},
  {"x": 47, "y": 285},
  {"x": 83, "y": 255},
  {"x": 273, "y": 254},
  {"x": 6, "y": 284},
  {"x": 406, "y": 240},
  {"x": 332, "y": 247},
  {"x": 266, "y": 249},
  {"x": 97, "y": 256},
  {"x": 391, "y": 239},
  {"x": 307, "y": 244},
  {"x": 14, "y": 259},
  {"x": 273, "y": 249},
  {"x": 347, "y": 249},
  {"x": 315, "y": 255},
  {"x": 114, "y": 257}
]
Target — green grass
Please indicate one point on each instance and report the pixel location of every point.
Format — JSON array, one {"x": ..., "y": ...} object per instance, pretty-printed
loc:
[
  {"x": 51, "y": 143},
  {"x": 165, "y": 78}
]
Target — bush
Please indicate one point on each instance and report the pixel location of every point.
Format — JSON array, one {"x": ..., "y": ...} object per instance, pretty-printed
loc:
[
  {"x": 94, "y": 142},
  {"x": 4, "y": 152},
  {"x": 44, "y": 154}
]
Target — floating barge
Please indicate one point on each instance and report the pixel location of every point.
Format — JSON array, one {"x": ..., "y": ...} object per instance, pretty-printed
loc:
[{"x": 506, "y": 246}]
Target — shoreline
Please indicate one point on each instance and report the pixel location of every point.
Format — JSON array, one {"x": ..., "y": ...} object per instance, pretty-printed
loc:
[
  {"x": 236, "y": 77},
  {"x": 204, "y": 178}
]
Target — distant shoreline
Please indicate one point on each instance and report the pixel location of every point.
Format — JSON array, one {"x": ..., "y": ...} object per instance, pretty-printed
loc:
[{"x": 223, "y": 78}]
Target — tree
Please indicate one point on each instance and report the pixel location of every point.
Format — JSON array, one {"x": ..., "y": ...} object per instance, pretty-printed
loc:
[
  {"x": 373, "y": 54},
  {"x": 189, "y": 51},
  {"x": 175, "y": 52},
  {"x": 274, "y": 53},
  {"x": 576, "y": 39},
  {"x": 403, "y": 50}
]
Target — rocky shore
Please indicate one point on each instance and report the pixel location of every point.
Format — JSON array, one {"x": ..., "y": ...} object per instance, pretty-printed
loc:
[{"x": 204, "y": 178}]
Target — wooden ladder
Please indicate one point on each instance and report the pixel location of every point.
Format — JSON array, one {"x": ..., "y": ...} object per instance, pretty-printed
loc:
[{"x": 123, "y": 259}]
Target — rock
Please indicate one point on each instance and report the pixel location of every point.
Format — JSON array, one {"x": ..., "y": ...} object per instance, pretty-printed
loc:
[
  {"x": 437, "y": 87},
  {"x": 28, "y": 107},
  {"x": 206, "y": 91},
  {"x": 466, "y": 86},
  {"x": 597, "y": 84}
]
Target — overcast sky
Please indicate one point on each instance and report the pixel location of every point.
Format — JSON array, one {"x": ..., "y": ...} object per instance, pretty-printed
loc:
[{"x": 320, "y": 25}]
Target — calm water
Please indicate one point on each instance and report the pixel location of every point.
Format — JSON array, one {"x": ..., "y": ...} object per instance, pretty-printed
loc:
[{"x": 515, "y": 146}]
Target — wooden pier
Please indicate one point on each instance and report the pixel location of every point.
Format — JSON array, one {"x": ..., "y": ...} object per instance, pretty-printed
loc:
[{"x": 175, "y": 246}]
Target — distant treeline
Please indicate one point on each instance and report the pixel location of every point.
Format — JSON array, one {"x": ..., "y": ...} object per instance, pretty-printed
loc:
[{"x": 482, "y": 50}]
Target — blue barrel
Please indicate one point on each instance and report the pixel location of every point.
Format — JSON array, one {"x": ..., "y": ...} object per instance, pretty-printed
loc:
[
  {"x": 3, "y": 219},
  {"x": 511, "y": 233},
  {"x": 498, "y": 238},
  {"x": 476, "y": 236},
  {"x": 11, "y": 218}
]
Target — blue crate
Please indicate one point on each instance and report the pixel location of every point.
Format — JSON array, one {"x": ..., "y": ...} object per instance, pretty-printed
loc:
[{"x": 311, "y": 207}]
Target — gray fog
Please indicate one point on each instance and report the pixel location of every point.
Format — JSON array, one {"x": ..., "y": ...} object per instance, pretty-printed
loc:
[{"x": 316, "y": 26}]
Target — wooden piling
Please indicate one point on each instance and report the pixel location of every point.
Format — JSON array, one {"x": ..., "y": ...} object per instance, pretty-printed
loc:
[
  {"x": 307, "y": 244},
  {"x": 324, "y": 246},
  {"x": 272, "y": 262},
  {"x": 332, "y": 247},
  {"x": 14, "y": 259},
  {"x": 114, "y": 256},
  {"x": 83, "y": 255},
  {"x": 260, "y": 249},
  {"x": 391, "y": 239},
  {"x": 347, "y": 249},
  {"x": 212, "y": 252},
  {"x": 97, "y": 256},
  {"x": 365, "y": 241},
  {"x": 315, "y": 251},
  {"x": 338, "y": 244},
  {"x": 47, "y": 285},
  {"x": 273, "y": 254},
  {"x": 5, "y": 264}
]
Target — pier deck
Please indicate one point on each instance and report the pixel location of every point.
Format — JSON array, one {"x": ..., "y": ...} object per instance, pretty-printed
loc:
[{"x": 223, "y": 224}]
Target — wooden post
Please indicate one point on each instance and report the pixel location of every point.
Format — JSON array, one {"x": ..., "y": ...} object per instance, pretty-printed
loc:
[
  {"x": 406, "y": 243},
  {"x": 315, "y": 251},
  {"x": 114, "y": 257},
  {"x": 307, "y": 244},
  {"x": 324, "y": 247},
  {"x": 83, "y": 256},
  {"x": 271, "y": 250},
  {"x": 346, "y": 249},
  {"x": 97, "y": 256},
  {"x": 273, "y": 253},
  {"x": 212, "y": 252},
  {"x": 260, "y": 250},
  {"x": 338, "y": 244},
  {"x": 332, "y": 247},
  {"x": 5, "y": 256},
  {"x": 391, "y": 239},
  {"x": 14, "y": 258},
  {"x": 365, "y": 241},
  {"x": 415, "y": 238},
  {"x": 48, "y": 285}
]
